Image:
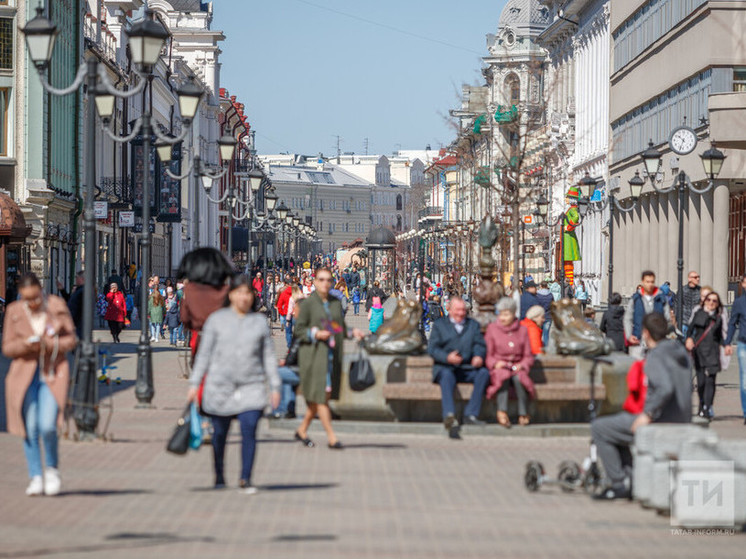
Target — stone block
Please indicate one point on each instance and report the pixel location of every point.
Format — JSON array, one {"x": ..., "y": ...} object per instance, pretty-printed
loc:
[
  {"x": 654, "y": 447},
  {"x": 732, "y": 450}
]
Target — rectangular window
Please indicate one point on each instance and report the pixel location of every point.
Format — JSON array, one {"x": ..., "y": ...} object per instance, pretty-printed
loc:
[
  {"x": 6, "y": 43},
  {"x": 739, "y": 79},
  {"x": 4, "y": 105}
]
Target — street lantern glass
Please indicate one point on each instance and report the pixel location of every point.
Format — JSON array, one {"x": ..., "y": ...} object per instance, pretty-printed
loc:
[
  {"x": 583, "y": 206},
  {"x": 227, "y": 146},
  {"x": 296, "y": 221},
  {"x": 289, "y": 218},
  {"x": 712, "y": 161},
  {"x": 164, "y": 152},
  {"x": 255, "y": 179},
  {"x": 271, "y": 198},
  {"x": 543, "y": 205},
  {"x": 104, "y": 105},
  {"x": 282, "y": 211},
  {"x": 635, "y": 185},
  {"x": 588, "y": 185},
  {"x": 189, "y": 96},
  {"x": 40, "y": 36},
  {"x": 146, "y": 40},
  {"x": 652, "y": 159},
  {"x": 207, "y": 181}
]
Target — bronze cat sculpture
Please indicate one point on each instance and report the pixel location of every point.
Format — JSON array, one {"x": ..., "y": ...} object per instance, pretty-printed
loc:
[
  {"x": 573, "y": 335},
  {"x": 399, "y": 334}
]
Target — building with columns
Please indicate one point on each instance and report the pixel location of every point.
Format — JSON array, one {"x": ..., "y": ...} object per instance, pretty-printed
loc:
[
  {"x": 578, "y": 45},
  {"x": 650, "y": 97}
]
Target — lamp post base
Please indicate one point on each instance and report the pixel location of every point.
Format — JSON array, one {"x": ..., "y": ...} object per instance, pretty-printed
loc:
[
  {"x": 85, "y": 403},
  {"x": 144, "y": 390}
]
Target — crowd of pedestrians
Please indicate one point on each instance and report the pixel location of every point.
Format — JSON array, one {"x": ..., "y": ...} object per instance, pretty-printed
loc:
[{"x": 227, "y": 321}]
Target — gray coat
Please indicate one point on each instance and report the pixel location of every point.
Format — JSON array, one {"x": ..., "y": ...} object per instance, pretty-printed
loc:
[
  {"x": 669, "y": 373},
  {"x": 237, "y": 355}
]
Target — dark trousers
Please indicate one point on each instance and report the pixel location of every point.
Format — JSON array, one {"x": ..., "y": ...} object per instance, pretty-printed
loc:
[
  {"x": 705, "y": 387},
  {"x": 248, "y": 421},
  {"x": 447, "y": 377},
  {"x": 115, "y": 328},
  {"x": 613, "y": 437}
]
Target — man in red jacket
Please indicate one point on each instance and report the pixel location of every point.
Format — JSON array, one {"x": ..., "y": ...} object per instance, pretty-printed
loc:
[{"x": 282, "y": 304}]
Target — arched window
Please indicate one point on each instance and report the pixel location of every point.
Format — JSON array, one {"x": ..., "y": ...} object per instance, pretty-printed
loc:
[
  {"x": 398, "y": 202},
  {"x": 513, "y": 89}
]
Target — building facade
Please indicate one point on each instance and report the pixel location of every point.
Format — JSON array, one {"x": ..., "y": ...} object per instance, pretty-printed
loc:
[{"x": 650, "y": 97}]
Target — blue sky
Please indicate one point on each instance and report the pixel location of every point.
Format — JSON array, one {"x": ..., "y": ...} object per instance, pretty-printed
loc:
[{"x": 382, "y": 69}]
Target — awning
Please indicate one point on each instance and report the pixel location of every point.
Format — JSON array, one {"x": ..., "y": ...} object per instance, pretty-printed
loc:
[{"x": 12, "y": 222}]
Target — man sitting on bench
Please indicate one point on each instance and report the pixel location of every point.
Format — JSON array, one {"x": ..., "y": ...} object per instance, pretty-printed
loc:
[
  {"x": 458, "y": 349},
  {"x": 667, "y": 371}
]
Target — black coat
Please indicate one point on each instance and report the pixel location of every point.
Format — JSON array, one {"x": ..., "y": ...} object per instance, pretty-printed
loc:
[
  {"x": 707, "y": 353},
  {"x": 612, "y": 324}
]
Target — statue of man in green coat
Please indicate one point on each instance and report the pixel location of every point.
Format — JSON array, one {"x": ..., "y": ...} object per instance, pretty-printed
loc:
[{"x": 570, "y": 246}]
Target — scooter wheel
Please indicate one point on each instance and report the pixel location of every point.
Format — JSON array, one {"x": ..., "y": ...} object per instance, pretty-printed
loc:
[
  {"x": 592, "y": 480},
  {"x": 534, "y": 475},
  {"x": 569, "y": 475}
]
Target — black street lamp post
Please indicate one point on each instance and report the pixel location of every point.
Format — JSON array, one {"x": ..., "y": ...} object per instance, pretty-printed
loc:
[
  {"x": 147, "y": 37},
  {"x": 712, "y": 161}
]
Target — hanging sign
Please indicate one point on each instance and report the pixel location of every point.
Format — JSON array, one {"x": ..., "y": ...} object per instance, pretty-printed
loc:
[
  {"x": 127, "y": 219},
  {"x": 100, "y": 209}
]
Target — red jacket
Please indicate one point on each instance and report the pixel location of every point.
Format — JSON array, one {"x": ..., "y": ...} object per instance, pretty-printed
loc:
[
  {"x": 117, "y": 308},
  {"x": 283, "y": 299},
  {"x": 637, "y": 383},
  {"x": 534, "y": 335}
]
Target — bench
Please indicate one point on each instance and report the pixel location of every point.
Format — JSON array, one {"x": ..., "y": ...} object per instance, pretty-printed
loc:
[{"x": 562, "y": 391}]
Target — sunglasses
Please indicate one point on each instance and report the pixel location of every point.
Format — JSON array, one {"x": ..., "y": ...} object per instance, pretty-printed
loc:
[{"x": 712, "y": 299}]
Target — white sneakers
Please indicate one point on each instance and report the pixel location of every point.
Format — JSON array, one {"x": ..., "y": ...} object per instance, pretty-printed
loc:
[
  {"x": 35, "y": 487},
  {"x": 250, "y": 490},
  {"x": 52, "y": 482},
  {"x": 50, "y": 485}
]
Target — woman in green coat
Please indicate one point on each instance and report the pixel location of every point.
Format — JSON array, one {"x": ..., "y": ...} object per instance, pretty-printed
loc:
[{"x": 321, "y": 331}]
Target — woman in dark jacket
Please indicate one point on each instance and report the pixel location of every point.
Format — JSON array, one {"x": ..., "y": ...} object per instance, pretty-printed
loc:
[
  {"x": 704, "y": 337},
  {"x": 612, "y": 322}
]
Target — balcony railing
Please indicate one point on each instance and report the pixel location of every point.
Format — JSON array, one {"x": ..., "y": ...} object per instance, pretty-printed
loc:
[{"x": 117, "y": 190}]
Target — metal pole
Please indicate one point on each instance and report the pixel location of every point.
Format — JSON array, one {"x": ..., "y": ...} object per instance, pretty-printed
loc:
[
  {"x": 230, "y": 223},
  {"x": 516, "y": 247},
  {"x": 144, "y": 389},
  {"x": 612, "y": 201},
  {"x": 680, "y": 261},
  {"x": 86, "y": 405},
  {"x": 562, "y": 254}
]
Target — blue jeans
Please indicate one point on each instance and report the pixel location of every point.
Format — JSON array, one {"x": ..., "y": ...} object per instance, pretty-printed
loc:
[
  {"x": 155, "y": 330},
  {"x": 447, "y": 377},
  {"x": 40, "y": 416},
  {"x": 741, "y": 353},
  {"x": 290, "y": 380},
  {"x": 181, "y": 332},
  {"x": 248, "y": 421},
  {"x": 289, "y": 332},
  {"x": 283, "y": 320},
  {"x": 174, "y": 333},
  {"x": 356, "y": 307}
]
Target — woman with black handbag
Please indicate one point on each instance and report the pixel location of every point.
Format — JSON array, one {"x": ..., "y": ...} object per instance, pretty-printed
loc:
[
  {"x": 237, "y": 354},
  {"x": 704, "y": 339}
]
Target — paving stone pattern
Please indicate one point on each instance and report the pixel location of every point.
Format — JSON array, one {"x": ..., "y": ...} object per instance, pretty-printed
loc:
[{"x": 384, "y": 496}]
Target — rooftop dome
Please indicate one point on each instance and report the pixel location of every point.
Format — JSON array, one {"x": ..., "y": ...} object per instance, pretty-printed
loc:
[
  {"x": 381, "y": 238},
  {"x": 526, "y": 17}
]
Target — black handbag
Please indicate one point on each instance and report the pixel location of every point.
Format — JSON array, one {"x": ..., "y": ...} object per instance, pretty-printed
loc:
[
  {"x": 362, "y": 376},
  {"x": 179, "y": 441}
]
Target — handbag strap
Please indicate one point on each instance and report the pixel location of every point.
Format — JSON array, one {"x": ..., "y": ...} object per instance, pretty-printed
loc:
[{"x": 707, "y": 331}]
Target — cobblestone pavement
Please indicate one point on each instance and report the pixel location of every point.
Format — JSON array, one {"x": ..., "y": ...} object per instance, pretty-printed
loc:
[{"x": 403, "y": 496}]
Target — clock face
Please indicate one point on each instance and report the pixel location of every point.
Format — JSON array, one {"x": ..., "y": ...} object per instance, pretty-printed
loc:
[{"x": 683, "y": 140}]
